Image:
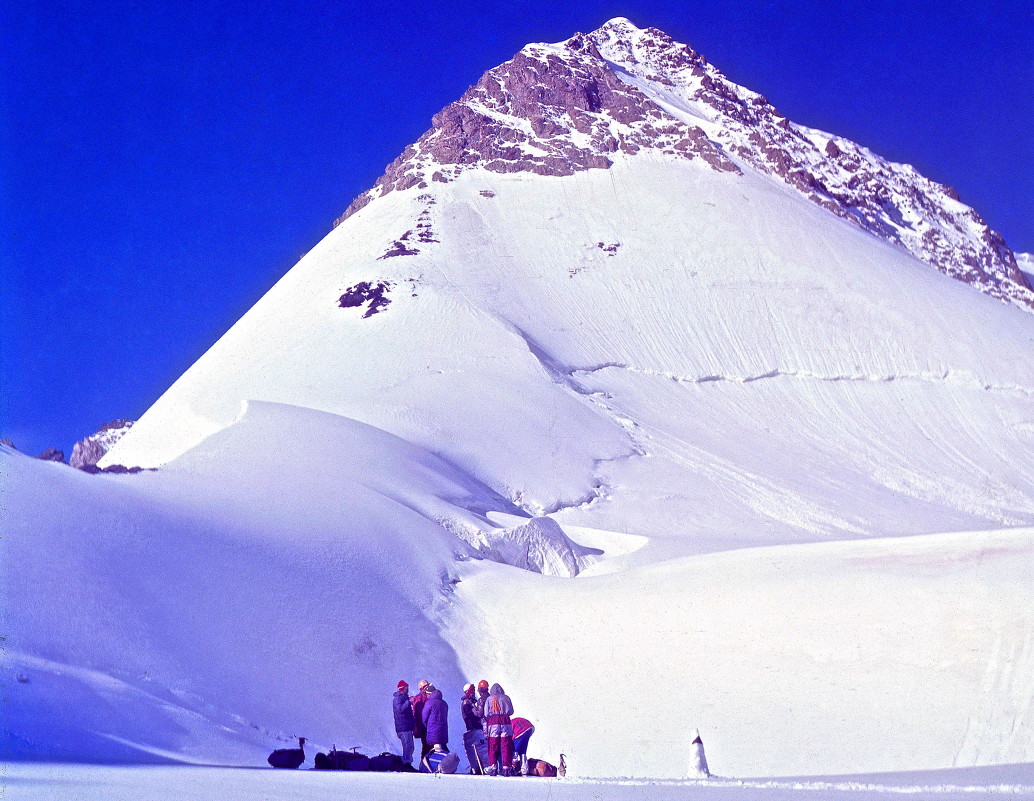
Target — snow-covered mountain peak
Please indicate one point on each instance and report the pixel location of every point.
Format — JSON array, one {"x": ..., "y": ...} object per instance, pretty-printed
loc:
[
  {"x": 551, "y": 110},
  {"x": 606, "y": 244},
  {"x": 622, "y": 91},
  {"x": 615, "y": 366}
]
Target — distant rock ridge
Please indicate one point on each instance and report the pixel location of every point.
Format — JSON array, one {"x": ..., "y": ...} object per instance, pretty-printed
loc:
[
  {"x": 1025, "y": 261},
  {"x": 620, "y": 91},
  {"x": 89, "y": 450}
]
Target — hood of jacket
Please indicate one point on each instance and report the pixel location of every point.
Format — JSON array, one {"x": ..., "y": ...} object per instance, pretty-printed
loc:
[
  {"x": 436, "y": 694},
  {"x": 497, "y": 690}
]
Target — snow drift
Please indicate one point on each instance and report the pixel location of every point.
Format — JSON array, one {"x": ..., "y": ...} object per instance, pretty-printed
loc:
[{"x": 294, "y": 558}]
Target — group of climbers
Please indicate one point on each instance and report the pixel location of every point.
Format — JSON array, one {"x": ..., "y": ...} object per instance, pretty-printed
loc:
[{"x": 424, "y": 717}]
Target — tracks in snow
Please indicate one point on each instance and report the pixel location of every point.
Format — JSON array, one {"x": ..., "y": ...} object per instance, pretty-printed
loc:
[{"x": 1005, "y": 703}]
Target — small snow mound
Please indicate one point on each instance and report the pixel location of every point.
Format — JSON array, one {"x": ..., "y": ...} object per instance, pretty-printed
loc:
[
  {"x": 619, "y": 23},
  {"x": 698, "y": 761},
  {"x": 538, "y": 545}
]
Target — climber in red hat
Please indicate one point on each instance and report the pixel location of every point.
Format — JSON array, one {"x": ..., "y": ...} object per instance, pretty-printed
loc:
[
  {"x": 468, "y": 709},
  {"x": 405, "y": 722},
  {"x": 479, "y": 704}
]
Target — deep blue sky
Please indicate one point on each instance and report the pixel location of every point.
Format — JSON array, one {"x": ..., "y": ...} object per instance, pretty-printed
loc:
[{"x": 163, "y": 163}]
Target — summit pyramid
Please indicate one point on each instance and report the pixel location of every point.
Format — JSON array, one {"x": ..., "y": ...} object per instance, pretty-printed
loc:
[{"x": 616, "y": 287}]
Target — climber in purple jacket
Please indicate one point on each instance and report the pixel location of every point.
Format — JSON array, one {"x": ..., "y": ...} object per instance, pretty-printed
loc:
[{"x": 435, "y": 717}]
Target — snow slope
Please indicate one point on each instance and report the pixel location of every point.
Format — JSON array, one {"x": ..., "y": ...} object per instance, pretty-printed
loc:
[
  {"x": 698, "y": 363},
  {"x": 293, "y": 556},
  {"x": 278, "y": 579}
]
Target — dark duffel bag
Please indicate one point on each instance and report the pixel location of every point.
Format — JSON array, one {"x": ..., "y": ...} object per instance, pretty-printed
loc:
[
  {"x": 358, "y": 762},
  {"x": 387, "y": 763},
  {"x": 339, "y": 760}
]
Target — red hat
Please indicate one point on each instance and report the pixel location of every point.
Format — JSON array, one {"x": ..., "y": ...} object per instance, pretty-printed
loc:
[
  {"x": 483, "y": 684},
  {"x": 401, "y": 684}
]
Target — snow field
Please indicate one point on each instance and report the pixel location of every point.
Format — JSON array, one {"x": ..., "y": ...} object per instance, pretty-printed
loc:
[
  {"x": 49, "y": 782},
  {"x": 824, "y": 658},
  {"x": 277, "y": 580},
  {"x": 167, "y": 617},
  {"x": 697, "y": 394}
]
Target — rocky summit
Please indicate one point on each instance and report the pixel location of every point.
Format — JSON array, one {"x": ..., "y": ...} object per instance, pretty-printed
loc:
[{"x": 559, "y": 109}]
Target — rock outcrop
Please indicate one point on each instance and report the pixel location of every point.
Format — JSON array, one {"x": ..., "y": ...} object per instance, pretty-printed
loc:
[
  {"x": 1025, "y": 261},
  {"x": 89, "y": 450}
]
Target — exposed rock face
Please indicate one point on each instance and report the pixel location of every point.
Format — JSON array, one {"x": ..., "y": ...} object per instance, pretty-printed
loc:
[
  {"x": 365, "y": 292},
  {"x": 621, "y": 91},
  {"x": 88, "y": 451},
  {"x": 1025, "y": 261},
  {"x": 7, "y": 443},
  {"x": 52, "y": 455},
  {"x": 111, "y": 468},
  {"x": 550, "y": 110}
]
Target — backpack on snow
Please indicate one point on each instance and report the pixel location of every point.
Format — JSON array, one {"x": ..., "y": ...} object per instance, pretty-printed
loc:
[
  {"x": 388, "y": 763},
  {"x": 440, "y": 762},
  {"x": 341, "y": 760},
  {"x": 476, "y": 746}
]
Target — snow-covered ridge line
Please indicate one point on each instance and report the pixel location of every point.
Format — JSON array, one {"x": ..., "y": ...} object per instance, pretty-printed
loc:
[
  {"x": 558, "y": 109},
  {"x": 961, "y": 378},
  {"x": 890, "y": 200}
]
